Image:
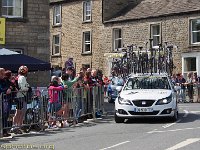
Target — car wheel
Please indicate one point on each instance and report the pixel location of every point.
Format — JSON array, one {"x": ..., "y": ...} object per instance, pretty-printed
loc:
[{"x": 119, "y": 119}]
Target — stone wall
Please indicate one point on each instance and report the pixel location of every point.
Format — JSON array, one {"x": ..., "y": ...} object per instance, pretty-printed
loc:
[{"x": 31, "y": 35}]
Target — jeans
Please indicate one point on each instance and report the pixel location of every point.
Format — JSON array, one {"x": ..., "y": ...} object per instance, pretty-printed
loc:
[
  {"x": 78, "y": 107},
  {"x": 182, "y": 95}
]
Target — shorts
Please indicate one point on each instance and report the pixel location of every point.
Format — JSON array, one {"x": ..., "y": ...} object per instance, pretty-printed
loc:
[
  {"x": 21, "y": 103},
  {"x": 54, "y": 107}
]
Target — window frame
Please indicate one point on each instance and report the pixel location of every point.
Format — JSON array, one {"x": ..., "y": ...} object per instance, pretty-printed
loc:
[
  {"x": 190, "y": 55},
  {"x": 191, "y": 32},
  {"x": 85, "y": 11},
  {"x": 53, "y": 45},
  {"x": 14, "y": 7},
  {"x": 117, "y": 39},
  {"x": 158, "y": 35},
  {"x": 56, "y": 15},
  {"x": 84, "y": 42}
]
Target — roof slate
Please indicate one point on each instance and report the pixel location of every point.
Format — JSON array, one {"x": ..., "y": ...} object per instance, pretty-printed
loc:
[{"x": 155, "y": 8}]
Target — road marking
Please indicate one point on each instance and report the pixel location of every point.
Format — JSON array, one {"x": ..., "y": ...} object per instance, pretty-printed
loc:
[
  {"x": 171, "y": 124},
  {"x": 115, "y": 145},
  {"x": 173, "y": 130},
  {"x": 186, "y": 113},
  {"x": 195, "y": 112},
  {"x": 191, "y": 106},
  {"x": 184, "y": 143}
]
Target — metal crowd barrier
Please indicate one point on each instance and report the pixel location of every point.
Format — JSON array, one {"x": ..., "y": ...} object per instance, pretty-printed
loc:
[
  {"x": 74, "y": 105},
  {"x": 196, "y": 94}
]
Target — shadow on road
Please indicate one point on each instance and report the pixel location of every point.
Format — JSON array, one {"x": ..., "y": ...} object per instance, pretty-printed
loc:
[
  {"x": 148, "y": 120},
  {"x": 190, "y": 118},
  {"x": 182, "y": 119}
]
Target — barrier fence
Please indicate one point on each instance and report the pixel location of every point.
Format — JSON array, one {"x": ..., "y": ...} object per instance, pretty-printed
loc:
[{"x": 45, "y": 107}]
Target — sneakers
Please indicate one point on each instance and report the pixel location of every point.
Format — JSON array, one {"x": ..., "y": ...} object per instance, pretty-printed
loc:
[
  {"x": 52, "y": 127},
  {"x": 15, "y": 130},
  {"x": 6, "y": 134},
  {"x": 65, "y": 124}
]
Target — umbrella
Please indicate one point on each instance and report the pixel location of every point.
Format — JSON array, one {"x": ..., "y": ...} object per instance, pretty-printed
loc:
[
  {"x": 4, "y": 51},
  {"x": 12, "y": 61}
]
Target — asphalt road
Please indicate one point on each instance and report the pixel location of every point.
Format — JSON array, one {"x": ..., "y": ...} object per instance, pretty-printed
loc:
[{"x": 139, "y": 134}]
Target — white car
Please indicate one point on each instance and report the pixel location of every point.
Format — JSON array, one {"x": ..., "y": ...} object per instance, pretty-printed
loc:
[{"x": 146, "y": 95}]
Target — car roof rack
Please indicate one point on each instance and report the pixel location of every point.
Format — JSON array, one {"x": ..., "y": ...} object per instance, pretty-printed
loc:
[{"x": 137, "y": 60}]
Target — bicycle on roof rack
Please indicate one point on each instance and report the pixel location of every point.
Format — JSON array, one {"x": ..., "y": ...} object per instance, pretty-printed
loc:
[{"x": 140, "y": 60}]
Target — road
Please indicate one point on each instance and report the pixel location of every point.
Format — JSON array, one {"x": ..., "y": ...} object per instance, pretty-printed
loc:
[{"x": 139, "y": 134}]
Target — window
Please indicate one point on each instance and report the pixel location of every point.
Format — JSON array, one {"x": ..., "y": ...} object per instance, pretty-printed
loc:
[
  {"x": 12, "y": 8},
  {"x": 56, "y": 45},
  {"x": 155, "y": 34},
  {"x": 195, "y": 31},
  {"x": 87, "y": 11},
  {"x": 57, "y": 15},
  {"x": 117, "y": 39},
  {"x": 86, "y": 66},
  {"x": 87, "y": 42},
  {"x": 190, "y": 64}
]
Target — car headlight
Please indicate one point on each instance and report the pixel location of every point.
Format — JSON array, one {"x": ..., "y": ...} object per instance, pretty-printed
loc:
[
  {"x": 164, "y": 101},
  {"x": 123, "y": 101}
]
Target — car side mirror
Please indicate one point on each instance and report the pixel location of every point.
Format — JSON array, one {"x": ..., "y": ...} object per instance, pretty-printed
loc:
[{"x": 119, "y": 88}]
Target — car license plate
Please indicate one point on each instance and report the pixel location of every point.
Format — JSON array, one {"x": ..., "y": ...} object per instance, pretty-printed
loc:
[{"x": 143, "y": 109}]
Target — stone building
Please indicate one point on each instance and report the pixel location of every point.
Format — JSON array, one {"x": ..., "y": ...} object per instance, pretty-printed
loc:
[
  {"x": 27, "y": 32},
  {"x": 76, "y": 31},
  {"x": 86, "y": 30},
  {"x": 174, "y": 21}
]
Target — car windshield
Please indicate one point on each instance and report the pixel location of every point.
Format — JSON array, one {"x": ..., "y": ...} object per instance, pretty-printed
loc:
[{"x": 150, "y": 82}]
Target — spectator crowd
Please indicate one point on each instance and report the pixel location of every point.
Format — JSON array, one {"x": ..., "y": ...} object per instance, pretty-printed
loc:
[
  {"x": 191, "y": 82},
  {"x": 15, "y": 89}
]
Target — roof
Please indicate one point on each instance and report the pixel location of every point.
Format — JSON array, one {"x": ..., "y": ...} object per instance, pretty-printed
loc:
[{"x": 155, "y": 8}]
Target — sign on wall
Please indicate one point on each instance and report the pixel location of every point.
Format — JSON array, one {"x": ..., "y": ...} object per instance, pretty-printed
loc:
[{"x": 2, "y": 30}]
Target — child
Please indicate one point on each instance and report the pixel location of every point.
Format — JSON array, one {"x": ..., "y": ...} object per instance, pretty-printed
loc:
[{"x": 54, "y": 105}]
